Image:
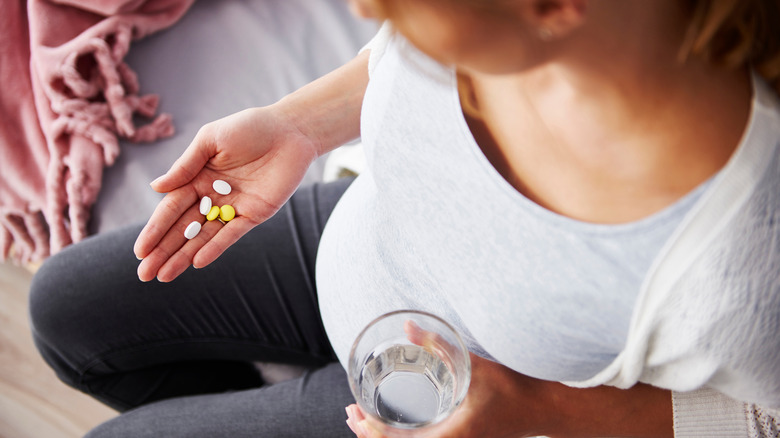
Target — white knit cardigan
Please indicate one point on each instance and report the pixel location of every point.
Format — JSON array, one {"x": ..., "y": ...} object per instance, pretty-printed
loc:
[{"x": 707, "y": 321}]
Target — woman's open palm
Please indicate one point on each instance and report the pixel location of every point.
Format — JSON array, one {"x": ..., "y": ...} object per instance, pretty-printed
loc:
[{"x": 258, "y": 153}]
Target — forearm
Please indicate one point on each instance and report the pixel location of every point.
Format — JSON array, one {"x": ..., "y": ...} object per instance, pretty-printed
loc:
[
  {"x": 640, "y": 411},
  {"x": 327, "y": 110},
  {"x": 504, "y": 403}
]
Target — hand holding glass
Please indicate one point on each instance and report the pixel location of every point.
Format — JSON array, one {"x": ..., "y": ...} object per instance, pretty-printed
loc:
[{"x": 409, "y": 370}]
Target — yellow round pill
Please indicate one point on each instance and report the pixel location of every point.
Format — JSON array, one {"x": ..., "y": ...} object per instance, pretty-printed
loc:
[
  {"x": 227, "y": 213},
  {"x": 213, "y": 213}
]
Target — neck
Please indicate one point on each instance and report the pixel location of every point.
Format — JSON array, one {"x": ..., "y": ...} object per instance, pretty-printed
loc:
[{"x": 612, "y": 130}]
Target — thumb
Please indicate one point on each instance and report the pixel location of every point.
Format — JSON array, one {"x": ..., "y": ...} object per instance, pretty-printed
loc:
[{"x": 186, "y": 167}]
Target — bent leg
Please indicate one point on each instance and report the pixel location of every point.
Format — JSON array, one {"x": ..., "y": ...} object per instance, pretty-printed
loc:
[
  {"x": 308, "y": 406},
  {"x": 129, "y": 343}
]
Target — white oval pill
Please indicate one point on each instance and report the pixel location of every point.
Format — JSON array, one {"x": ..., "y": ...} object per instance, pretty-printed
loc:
[
  {"x": 221, "y": 187},
  {"x": 205, "y": 205},
  {"x": 192, "y": 230}
]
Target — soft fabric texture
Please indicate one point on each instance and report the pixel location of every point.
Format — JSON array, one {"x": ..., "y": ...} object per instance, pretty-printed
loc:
[
  {"x": 707, "y": 314},
  {"x": 68, "y": 96},
  {"x": 706, "y": 413},
  {"x": 309, "y": 406}
]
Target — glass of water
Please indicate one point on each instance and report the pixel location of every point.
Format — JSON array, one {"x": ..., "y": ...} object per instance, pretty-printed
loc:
[{"x": 408, "y": 370}]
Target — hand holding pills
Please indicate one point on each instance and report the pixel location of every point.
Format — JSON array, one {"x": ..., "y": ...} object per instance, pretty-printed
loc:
[{"x": 236, "y": 173}]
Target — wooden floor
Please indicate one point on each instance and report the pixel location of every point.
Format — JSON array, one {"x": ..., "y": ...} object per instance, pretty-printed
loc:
[{"x": 33, "y": 403}]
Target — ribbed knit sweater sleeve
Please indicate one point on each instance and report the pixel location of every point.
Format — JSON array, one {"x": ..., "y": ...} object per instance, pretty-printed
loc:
[{"x": 708, "y": 413}]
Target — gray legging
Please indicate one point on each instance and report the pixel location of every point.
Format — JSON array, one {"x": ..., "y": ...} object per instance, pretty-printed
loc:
[{"x": 176, "y": 358}]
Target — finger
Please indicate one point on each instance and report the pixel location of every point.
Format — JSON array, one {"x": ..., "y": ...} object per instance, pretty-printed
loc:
[
  {"x": 355, "y": 413},
  {"x": 227, "y": 235},
  {"x": 353, "y": 428},
  {"x": 171, "y": 242},
  {"x": 369, "y": 429},
  {"x": 424, "y": 338},
  {"x": 366, "y": 426},
  {"x": 188, "y": 165},
  {"x": 168, "y": 212},
  {"x": 182, "y": 259},
  {"x": 430, "y": 341},
  {"x": 351, "y": 420},
  {"x": 413, "y": 332}
]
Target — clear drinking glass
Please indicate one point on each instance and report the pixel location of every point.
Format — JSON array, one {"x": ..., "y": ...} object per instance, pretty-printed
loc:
[{"x": 406, "y": 385}]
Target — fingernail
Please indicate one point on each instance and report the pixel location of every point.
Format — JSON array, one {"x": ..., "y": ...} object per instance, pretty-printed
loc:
[{"x": 156, "y": 180}]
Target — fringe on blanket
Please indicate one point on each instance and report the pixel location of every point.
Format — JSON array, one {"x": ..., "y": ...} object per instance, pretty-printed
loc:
[{"x": 68, "y": 97}]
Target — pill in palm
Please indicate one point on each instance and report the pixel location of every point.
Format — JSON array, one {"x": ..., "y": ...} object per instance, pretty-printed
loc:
[
  {"x": 221, "y": 187},
  {"x": 213, "y": 213},
  {"x": 227, "y": 212},
  {"x": 192, "y": 230},
  {"x": 205, "y": 205}
]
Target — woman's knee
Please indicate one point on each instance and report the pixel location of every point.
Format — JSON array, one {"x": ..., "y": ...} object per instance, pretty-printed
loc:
[
  {"x": 51, "y": 308},
  {"x": 64, "y": 300}
]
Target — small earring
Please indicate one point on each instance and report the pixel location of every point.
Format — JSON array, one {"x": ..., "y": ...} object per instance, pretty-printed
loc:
[{"x": 545, "y": 33}]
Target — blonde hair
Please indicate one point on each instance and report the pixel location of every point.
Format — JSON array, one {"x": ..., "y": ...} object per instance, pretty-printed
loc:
[{"x": 735, "y": 33}]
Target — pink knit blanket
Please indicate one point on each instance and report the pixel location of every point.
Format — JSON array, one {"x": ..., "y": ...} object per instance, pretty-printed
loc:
[{"x": 66, "y": 97}]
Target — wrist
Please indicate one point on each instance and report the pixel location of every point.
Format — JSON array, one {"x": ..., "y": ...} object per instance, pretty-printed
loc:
[
  {"x": 327, "y": 111},
  {"x": 298, "y": 125}
]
